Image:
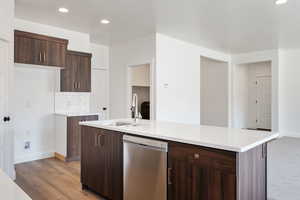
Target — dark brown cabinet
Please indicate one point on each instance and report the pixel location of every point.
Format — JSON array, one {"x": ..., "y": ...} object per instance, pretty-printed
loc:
[
  {"x": 197, "y": 173},
  {"x": 38, "y": 49},
  {"x": 76, "y": 76},
  {"x": 102, "y": 162},
  {"x": 73, "y": 136}
]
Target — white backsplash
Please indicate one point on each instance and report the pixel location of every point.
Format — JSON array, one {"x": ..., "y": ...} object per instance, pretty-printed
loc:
[{"x": 72, "y": 102}]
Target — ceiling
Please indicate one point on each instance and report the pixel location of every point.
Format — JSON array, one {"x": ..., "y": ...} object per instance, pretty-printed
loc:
[{"x": 232, "y": 26}]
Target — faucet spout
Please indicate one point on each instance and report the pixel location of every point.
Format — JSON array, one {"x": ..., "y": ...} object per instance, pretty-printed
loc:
[{"x": 134, "y": 107}]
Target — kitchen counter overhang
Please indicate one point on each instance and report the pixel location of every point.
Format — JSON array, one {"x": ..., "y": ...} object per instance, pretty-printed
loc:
[{"x": 230, "y": 139}]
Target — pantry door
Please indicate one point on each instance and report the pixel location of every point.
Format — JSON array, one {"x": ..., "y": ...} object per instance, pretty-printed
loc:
[{"x": 6, "y": 129}]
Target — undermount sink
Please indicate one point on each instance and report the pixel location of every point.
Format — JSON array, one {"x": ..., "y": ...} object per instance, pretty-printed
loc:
[{"x": 120, "y": 124}]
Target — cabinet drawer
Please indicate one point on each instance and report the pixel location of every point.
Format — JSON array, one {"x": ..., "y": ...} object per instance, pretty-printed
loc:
[{"x": 216, "y": 159}]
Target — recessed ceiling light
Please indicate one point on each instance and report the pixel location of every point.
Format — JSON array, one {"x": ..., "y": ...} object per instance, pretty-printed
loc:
[
  {"x": 105, "y": 21},
  {"x": 280, "y": 2},
  {"x": 63, "y": 10}
]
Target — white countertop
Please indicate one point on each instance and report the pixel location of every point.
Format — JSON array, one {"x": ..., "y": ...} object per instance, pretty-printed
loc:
[
  {"x": 75, "y": 114},
  {"x": 9, "y": 190},
  {"x": 237, "y": 140}
]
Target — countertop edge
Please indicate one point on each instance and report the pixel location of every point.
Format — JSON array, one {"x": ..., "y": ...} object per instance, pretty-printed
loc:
[{"x": 215, "y": 146}]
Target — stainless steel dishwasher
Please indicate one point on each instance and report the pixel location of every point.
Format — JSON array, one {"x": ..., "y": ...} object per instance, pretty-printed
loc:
[{"x": 145, "y": 169}]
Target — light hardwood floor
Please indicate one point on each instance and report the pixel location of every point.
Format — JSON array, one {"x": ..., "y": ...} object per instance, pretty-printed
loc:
[{"x": 52, "y": 179}]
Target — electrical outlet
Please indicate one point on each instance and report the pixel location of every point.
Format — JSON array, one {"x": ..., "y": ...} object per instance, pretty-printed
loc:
[{"x": 27, "y": 145}]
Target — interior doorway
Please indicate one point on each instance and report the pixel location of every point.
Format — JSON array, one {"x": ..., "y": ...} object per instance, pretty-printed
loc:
[
  {"x": 139, "y": 82},
  {"x": 213, "y": 92},
  {"x": 254, "y": 96}
]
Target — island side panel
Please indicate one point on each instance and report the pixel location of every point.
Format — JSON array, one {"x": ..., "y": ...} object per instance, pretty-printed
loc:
[{"x": 252, "y": 174}]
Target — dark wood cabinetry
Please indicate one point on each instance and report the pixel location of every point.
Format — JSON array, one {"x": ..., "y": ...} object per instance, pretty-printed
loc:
[
  {"x": 73, "y": 136},
  {"x": 38, "y": 49},
  {"x": 76, "y": 76},
  {"x": 102, "y": 162},
  {"x": 194, "y": 172},
  {"x": 198, "y": 173}
]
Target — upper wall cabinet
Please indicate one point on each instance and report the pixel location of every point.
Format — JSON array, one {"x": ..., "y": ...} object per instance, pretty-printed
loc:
[
  {"x": 76, "y": 76},
  {"x": 38, "y": 49}
]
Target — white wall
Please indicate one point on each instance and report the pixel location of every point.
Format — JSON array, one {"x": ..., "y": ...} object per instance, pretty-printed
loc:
[
  {"x": 214, "y": 92},
  {"x": 289, "y": 95},
  {"x": 237, "y": 95},
  {"x": 6, "y": 19},
  {"x": 139, "y": 51},
  {"x": 34, "y": 108},
  {"x": 178, "y": 79},
  {"x": 72, "y": 102}
]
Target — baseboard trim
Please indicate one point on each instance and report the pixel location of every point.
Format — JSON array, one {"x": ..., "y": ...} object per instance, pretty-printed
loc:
[
  {"x": 59, "y": 156},
  {"x": 33, "y": 157}
]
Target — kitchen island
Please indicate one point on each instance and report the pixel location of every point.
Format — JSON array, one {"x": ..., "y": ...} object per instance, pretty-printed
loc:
[{"x": 203, "y": 162}]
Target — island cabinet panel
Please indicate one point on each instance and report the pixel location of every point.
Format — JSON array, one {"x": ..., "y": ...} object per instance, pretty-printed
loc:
[
  {"x": 102, "y": 162},
  {"x": 252, "y": 173},
  {"x": 76, "y": 76},
  {"x": 31, "y": 48},
  {"x": 197, "y": 173},
  {"x": 74, "y": 136}
]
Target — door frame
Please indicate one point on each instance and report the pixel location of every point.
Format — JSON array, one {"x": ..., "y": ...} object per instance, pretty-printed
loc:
[{"x": 152, "y": 89}]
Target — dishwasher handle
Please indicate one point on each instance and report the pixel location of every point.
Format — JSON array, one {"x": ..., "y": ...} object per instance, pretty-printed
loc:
[{"x": 146, "y": 143}]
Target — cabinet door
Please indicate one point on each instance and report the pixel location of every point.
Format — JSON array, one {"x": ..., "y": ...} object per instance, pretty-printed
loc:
[
  {"x": 56, "y": 54},
  {"x": 74, "y": 136},
  {"x": 83, "y": 74},
  {"x": 200, "y": 174},
  {"x": 68, "y": 74},
  {"x": 39, "y": 52},
  {"x": 91, "y": 159},
  {"x": 24, "y": 48},
  {"x": 102, "y": 162},
  {"x": 29, "y": 50}
]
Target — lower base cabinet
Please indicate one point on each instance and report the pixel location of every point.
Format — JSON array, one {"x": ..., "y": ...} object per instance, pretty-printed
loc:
[
  {"x": 102, "y": 162},
  {"x": 194, "y": 173},
  {"x": 200, "y": 174}
]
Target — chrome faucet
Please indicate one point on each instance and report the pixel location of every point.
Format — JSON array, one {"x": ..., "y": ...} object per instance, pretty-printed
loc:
[{"x": 135, "y": 107}]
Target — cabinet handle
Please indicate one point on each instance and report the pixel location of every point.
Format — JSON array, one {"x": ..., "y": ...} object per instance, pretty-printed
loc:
[
  {"x": 44, "y": 56},
  {"x": 100, "y": 141},
  {"x": 78, "y": 84},
  {"x": 169, "y": 176},
  {"x": 40, "y": 58},
  {"x": 196, "y": 156},
  {"x": 96, "y": 140}
]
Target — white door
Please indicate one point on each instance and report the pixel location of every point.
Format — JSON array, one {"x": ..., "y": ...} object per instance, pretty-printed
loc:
[
  {"x": 99, "y": 94},
  {"x": 6, "y": 132},
  {"x": 264, "y": 96}
]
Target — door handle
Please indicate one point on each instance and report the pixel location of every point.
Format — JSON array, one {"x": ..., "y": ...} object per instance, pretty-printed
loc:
[
  {"x": 44, "y": 56},
  {"x": 100, "y": 141},
  {"x": 169, "y": 176},
  {"x": 40, "y": 58},
  {"x": 6, "y": 119},
  {"x": 96, "y": 140}
]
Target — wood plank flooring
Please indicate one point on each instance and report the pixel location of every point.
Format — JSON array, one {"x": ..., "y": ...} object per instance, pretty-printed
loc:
[{"x": 52, "y": 179}]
